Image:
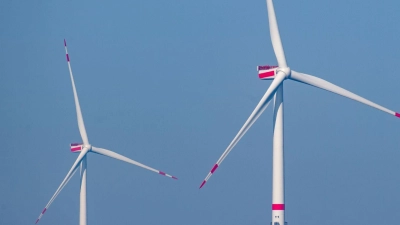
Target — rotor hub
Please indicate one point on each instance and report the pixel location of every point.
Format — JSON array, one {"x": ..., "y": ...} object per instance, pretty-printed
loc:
[
  {"x": 89, "y": 147},
  {"x": 286, "y": 70}
]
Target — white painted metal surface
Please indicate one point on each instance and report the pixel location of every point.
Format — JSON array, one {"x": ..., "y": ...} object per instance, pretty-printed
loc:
[
  {"x": 325, "y": 85},
  {"x": 82, "y": 194},
  {"x": 115, "y": 155},
  {"x": 275, "y": 36},
  {"x": 262, "y": 105},
  {"x": 81, "y": 124},
  {"x": 278, "y": 182}
]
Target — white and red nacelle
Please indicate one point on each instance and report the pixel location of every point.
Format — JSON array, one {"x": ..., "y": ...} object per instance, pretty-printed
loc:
[
  {"x": 76, "y": 147},
  {"x": 267, "y": 72}
]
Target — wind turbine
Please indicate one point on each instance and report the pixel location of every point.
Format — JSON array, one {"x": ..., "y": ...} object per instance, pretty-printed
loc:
[
  {"x": 279, "y": 74},
  {"x": 85, "y": 148}
]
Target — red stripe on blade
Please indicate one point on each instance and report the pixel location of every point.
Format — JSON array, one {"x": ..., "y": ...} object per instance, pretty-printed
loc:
[
  {"x": 278, "y": 206},
  {"x": 202, "y": 184},
  {"x": 214, "y": 168},
  {"x": 174, "y": 178},
  {"x": 44, "y": 210},
  {"x": 67, "y": 58},
  {"x": 37, "y": 221},
  {"x": 65, "y": 43},
  {"x": 161, "y": 172},
  {"x": 398, "y": 115},
  {"x": 266, "y": 74}
]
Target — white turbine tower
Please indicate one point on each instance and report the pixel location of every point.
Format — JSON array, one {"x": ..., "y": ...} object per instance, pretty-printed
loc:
[
  {"x": 279, "y": 74},
  {"x": 85, "y": 148}
]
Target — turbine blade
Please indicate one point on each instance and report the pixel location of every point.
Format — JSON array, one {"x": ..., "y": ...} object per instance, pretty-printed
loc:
[
  {"x": 114, "y": 155},
  {"x": 262, "y": 105},
  {"x": 70, "y": 173},
  {"x": 81, "y": 125},
  {"x": 275, "y": 36},
  {"x": 323, "y": 84}
]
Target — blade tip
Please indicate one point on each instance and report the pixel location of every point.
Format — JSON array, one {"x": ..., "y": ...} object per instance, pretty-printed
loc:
[
  {"x": 397, "y": 114},
  {"x": 175, "y": 178},
  {"x": 37, "y": 221},
  {"x": 202, "y": 184},
  {"x": 65, "y": 43}
]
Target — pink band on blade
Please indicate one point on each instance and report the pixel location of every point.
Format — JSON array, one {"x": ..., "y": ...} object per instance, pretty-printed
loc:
[
  {"x": 44, "y": 210},
  {"x": 278, "y": 206},
  {"x": 214, "y": 168},
  {"x": 398, "y": 115},
  {"x": 67, "y": 58},
  {"x": 161, "y": 172}
]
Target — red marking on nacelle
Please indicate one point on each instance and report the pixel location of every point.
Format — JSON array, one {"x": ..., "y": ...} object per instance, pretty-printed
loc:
[
  {"x": 76, "y": 149},
  {"x": 76, "y": 144},
  {"x": 278, "y": 206},
  {"x": 266, "y": 67},
  {"x": 266, "y": 74}
]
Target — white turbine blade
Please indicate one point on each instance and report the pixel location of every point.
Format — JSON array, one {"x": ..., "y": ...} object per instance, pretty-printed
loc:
[
  {"x": 114, "y": 155},
  {"x": 70, "y": 173},
  {"x": 262, "y": 105},
  {"x": 275, "y": 36},
  {"x": 323, "y": 84},
  {"x": 81, "y": 125}
]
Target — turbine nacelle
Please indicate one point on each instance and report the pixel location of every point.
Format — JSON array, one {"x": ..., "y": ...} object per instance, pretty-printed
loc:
[
  {"x": 77, "y": 147},
  {"x": 268, "y": 72}
]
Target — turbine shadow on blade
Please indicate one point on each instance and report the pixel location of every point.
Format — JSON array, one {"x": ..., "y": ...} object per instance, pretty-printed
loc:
[
  {"x": 83, "y": 149},
  {"x": 279, "y": 74}
]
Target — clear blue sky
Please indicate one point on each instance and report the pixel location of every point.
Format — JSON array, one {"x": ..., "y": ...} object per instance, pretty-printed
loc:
[{"x": 169, "y": 84}]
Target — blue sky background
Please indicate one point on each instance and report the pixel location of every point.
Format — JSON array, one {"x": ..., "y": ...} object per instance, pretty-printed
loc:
[{"x": 169, "y": 84}]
